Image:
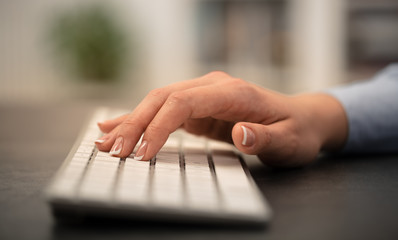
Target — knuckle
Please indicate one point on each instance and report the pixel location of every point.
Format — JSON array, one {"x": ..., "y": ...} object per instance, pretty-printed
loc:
[
  {"x": 155, "y": 130},
  {"x": 157, "y": 92},
  {"x": 217, "y": 74},
  {"x": 238, "y": 82},
  {"x": 128, "y": 125},
  {"x": 242, "y": 86},
  {"x": 178, "y": 98}
]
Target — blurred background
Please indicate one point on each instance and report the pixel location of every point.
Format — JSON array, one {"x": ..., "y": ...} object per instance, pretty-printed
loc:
[{"x": 116, "y": 51}]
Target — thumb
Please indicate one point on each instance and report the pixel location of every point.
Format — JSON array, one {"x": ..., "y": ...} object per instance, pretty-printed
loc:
[
  {"x": 254, "y": 138},
  {"x": 275, "y": 144}
]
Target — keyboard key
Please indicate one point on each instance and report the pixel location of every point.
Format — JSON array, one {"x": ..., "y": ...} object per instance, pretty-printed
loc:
[
  {"x": 194, "y": 145},
  {"x": 200, "y": 186},
  {"x": 167, "y": 182},
  {"x": 237, "y": 193},
  {"x": 98, "y": 182},
  {"x": 172, "y": 145},
  {"x": 133, "y": 183}
]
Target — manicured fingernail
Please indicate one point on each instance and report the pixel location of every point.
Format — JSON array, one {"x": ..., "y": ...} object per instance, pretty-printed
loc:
[
  {"x": 117, "y": 146},
  {"x": 248, "y": 137},
  {"x": 141, "y": 151},
  {"x": 102, "y": 139}
]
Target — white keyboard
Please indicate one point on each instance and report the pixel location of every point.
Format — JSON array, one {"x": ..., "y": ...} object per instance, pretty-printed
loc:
[{"x": 191, "y": 179}]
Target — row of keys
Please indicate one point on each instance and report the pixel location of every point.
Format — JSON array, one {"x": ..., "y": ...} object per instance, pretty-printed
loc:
[
  {"x": 196, "y": 183},
  {"x": 66, "y": 184}
]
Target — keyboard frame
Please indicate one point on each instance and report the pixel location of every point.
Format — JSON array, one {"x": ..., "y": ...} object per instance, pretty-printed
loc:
[{"x": 66, "y": 208}]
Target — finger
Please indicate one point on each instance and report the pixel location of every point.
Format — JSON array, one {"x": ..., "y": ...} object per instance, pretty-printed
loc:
[
  {"x": 153, "y": 100},
  {"x": 275, "y": 144},
  {"x": 131, "y": 129},
  {"x": 105, "y": 142},
  {"x": 199, "y": 102},
  {"x": 108, "y": 125},
  {"x": 151, "y": 104},
  {"x": 149, "y": 107}
]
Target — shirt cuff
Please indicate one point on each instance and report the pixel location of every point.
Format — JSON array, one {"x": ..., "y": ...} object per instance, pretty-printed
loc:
[{"x": 372, "y": 111}]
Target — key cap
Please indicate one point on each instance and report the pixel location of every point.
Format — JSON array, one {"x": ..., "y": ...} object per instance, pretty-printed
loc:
[
  {"x": 133, "y": 182},
  {"x": 167, "y": 182},
  {"x": 99, "y": 179},
  {"x": 237, "y": 193},
  {"x": 200, "y": 186}
]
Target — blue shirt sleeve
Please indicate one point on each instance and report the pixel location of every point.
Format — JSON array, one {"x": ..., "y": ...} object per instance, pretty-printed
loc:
[{"x": 372, "y": 111}]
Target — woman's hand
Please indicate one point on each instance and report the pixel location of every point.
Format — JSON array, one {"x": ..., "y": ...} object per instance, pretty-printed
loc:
[{"x": 281, "y": 130}]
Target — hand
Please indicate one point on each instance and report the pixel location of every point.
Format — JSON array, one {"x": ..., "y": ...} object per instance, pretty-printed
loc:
[{"x": 281, "y": 130}]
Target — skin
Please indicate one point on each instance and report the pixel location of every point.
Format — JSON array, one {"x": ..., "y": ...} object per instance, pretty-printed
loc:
[{"x": 283, "y": 131}]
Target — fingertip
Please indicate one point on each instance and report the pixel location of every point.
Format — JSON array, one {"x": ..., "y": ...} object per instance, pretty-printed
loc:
[
  {"x": 144, "y": 159},
  {"x": 249, "y": 137},
  {"x": 244, "y": 137},
  {"x": 101, "y": 126},
  {"x": 105, "y": 142},
  {"x": 117, "y": 147},
  {"x": 236, "y": 134},
  {"x": 141, "y": 152},
  {"x": 239, "y": 137},
  {"x": 149, "y": 152}
]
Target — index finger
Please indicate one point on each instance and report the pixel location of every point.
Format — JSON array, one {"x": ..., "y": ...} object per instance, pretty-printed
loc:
[
  {"x": 221, "y": 101},
  {"x": 131, "y": 129}
]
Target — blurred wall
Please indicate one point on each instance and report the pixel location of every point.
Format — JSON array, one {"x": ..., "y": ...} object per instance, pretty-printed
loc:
[
  {"x": 286, "y": 45},
  {"x": 28, "y": 71},
  {"x": 317, "y": 43}
]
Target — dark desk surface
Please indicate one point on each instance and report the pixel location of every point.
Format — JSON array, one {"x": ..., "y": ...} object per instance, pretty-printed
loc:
[{"x": 335, "y": 198}]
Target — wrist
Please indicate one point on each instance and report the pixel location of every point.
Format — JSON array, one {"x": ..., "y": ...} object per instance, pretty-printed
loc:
[{"x": 327, "y": 119}]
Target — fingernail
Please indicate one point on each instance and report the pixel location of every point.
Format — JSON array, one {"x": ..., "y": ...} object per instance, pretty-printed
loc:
[
  {"x": 141, "y": 151},
  {"x": 99, "y": 141},
  {"x": 117, "y": 146},
  {"x": 102, "y": 139},
  {"x": 248, "y": 137}
]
